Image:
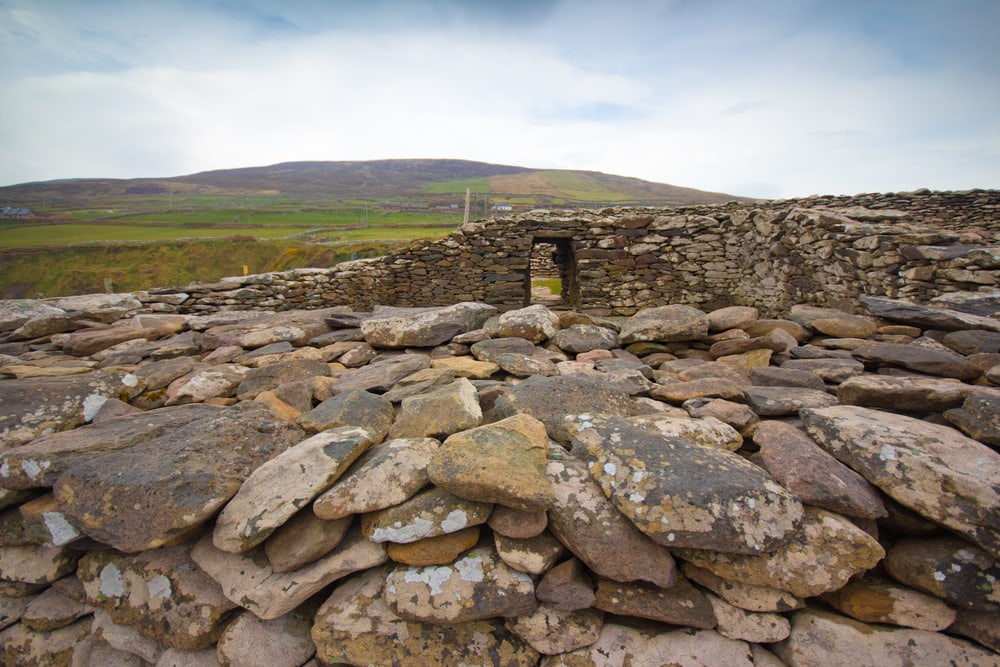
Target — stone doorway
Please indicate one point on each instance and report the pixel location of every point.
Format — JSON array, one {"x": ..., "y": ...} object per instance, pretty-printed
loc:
[{"x": 551, "y": 278}]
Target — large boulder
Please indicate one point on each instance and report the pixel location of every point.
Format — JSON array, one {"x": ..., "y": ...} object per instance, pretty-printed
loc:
[
  {"x": 158, "y": 492},
  {"x": 423, "y": 327},
  {"x": 686, "y": 494},
  {"x": 665, "y": 323},
  {"x": 38, "y": 406},
  {"x": 356, "y": 626},
  {"x": 932, "y": 469}
]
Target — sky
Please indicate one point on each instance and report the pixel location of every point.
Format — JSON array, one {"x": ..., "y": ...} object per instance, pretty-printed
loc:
[{"x": 761, "y": 98}]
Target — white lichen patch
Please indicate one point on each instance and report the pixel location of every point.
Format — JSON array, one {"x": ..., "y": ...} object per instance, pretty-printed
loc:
[
  {"x": 5, "y": 469},
  {"x": 470, "y": 568},
  {"x": 61, "y": 531},
  {"x": 92, "y": 405},
  {"x": 159, "y": 587},
  {"x": 402, "y": 533},
  {"x": 433, "y": 577},
  {"x": 111, "y": 581},
  {"x": 887, "y": 453},
  {"x": 455, "y": 521},
  {"x": 32, "y": 469},
  {"x": 130, "y": 380}
]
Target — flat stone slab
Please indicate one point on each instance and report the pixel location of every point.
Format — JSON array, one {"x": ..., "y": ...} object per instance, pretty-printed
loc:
[
  {"x": 500, "y": 463},
  {"x": 428, "y": 514},
  {"x": 785, "y": 401},
  {"x": 356, "y": 626},
  {"x": 685, "y": 494},
  {"x": 280, "y": 487},
  {"x": 934, "y": 470},
  {"x": 157, "y": 492},
  {"x": 814, "y": 631},
  {"x": 592, "y": 528},
  {"x": 38, "y": 464},
  {"x": 249, "y": 580},
  {"x": 423, "y": 327},
  {"x": 824, "y": 554},
  {"x": 943, "y": 363},
  {"x": 475, "y": 587},
  {"x": 386, "y": 475},
  {"x": 665, "y": 323},
  {"x": 949, "y": 568},
  {"x": 159, "y": 593},
  {"x": 33, "y": 407},
  {"x": 927, "y": 317}
]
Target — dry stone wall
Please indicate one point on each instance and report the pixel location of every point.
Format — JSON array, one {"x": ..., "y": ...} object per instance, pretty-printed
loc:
[{"x": 819, "y": 250}]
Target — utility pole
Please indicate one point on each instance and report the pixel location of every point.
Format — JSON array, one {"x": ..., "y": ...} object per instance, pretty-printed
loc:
[{"x": 468, "y": 194}]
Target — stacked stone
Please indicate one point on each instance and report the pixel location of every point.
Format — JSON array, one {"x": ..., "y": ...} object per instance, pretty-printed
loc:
[
  {"x": 824, "y": 251},
  {"x": 458, "y": 486}
]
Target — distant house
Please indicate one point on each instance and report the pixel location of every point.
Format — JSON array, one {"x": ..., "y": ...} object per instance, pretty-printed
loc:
[
  {"x": 12, "y": 212},
  {"x": 502, "y": 206}
]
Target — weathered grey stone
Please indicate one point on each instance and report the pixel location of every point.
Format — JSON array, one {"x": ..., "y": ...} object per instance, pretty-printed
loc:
[
  {"x": 423, "y": 327},
  {"x": 492, "y": 349},
  {"x": 816, "y": 477},
  {"x": 303, "y": 539},
  {"x": 37, "y": 406},
  {"x": 157, "y": 492},
  {"x": 420, "y": 382},
  {"x": 160, "y": 593},
  {"x": 707, "y": 431},
  {"x": 949, "y": 568},
  {"x": 40, "y": 462},
  {"x": 281, "y": 642},
  {"x": 592, "y": 528},
  {"x": 584, "y": 338},
  {"x": 567, "y": 587},
  {"x": 737, "y": 415},
  {"x": 736, "y": 623},
  {"x": 219, "y": 381},
  {"x": 831, "y": 369},
  {"x": 86, "y": 342},
  {"x": 260, "y": 329},
  {"x": 16, "y": 313},
  {"x": 126, "y": 638},
  {"x": 535, "y": 323},
  {"x": 52, "y": 609},
  {"x": 681, "y": 604},
  {"x": 36, "y": 564},
  {"x": 551, "y": 631},
  {"x": 23, "y": 646},
  {"x": 356, "y": 626},
  {"x": 523, "y": 366},
  {"x": 351, "y": 408},
  {"x": 978, "y": 417},
  {"x": 833, "y": 322},
  {"x": 907, "y": 394},
  {"x": 973, "y": 341},
  {"x": 826, "y": 551},
  {"x": 278, "y": 488},
  {"x": 520, "y": 524},
  {"x": 980, "y": 626},
  {"x": 685, "y": 494},
  {"x": 824, "y": 638},
  {"x": 11, "y": 609},
  {"x": 428, "y": 514},
  {"x": 438, "y": 413},
  {"x": 665, "y": 323},
  {"x": 935, "y": 470},
  {"x": 928, "y": 317},
  {"x": 499, "y": 463},
  {"x": 266, "y": 378},
  {"x": 770, "y": 376},
  {"x": 876, "y": 600},
  {"x": 785, "y": 401},
  {"x": 385, "y": 475},
  {"x": 380, "y": 375},
  {"x": 914, "y": 357},
  {"x": 745, "y": 596},
  {"x": 709, "y": 387},
  {"x": 534, "y": 555},
  {"x": 476, "y": 587},
  {"x": 551, "y": 399},
  {"x": 623, "y": 645},
  {"x": 249, "y": 581}
]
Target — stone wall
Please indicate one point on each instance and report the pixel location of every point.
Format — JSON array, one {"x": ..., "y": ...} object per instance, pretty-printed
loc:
[{"x": 819, "y": 250}]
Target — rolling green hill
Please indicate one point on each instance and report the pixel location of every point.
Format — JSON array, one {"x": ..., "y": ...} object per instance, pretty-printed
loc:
[{"x": 87, "y": 233}]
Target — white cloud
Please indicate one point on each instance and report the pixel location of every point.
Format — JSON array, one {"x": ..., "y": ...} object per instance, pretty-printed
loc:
[{"x": 707, "y": 95}]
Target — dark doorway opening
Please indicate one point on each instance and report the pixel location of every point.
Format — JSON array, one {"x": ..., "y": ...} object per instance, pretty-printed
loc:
[{"x": 552, "y": 276}]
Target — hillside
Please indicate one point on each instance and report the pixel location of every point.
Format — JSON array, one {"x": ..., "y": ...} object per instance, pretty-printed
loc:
[{"x": 377, "y": 179}]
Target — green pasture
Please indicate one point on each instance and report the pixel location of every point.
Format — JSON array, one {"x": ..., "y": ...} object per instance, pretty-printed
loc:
[
  {"x": 580, "y": 187},
  {"x": 28, "y": 236}
]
